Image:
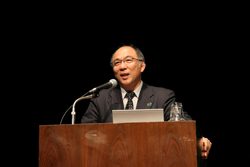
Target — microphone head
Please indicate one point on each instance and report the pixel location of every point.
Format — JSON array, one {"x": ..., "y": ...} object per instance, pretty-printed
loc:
[{"x": 113, "y": 82}]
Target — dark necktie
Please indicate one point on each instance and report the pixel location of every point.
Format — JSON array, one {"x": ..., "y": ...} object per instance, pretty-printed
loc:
[{"x": 130, "y": 96}]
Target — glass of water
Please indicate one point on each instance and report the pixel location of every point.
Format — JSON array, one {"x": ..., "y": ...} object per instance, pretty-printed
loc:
[{"x": 176, "y": 112}]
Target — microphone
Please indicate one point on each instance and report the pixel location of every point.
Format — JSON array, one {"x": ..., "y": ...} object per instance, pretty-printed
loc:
[{"x": 112, "y": 83}]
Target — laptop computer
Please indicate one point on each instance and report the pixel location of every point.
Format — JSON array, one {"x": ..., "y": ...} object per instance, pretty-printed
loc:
[{"x": 138, "y": 115}]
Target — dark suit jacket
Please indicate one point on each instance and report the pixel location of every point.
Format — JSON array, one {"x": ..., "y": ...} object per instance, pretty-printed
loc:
[{"x": 100, "y": 108}]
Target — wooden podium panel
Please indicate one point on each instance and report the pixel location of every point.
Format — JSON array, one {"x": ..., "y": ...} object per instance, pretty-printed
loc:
[{"x": 126, "y": 144}]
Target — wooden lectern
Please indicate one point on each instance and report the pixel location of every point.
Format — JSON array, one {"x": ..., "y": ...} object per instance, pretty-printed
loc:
[{"x": 154, "y": 144}]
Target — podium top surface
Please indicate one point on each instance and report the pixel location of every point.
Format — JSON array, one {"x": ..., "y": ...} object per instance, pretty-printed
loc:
[{"x": 90, "y": 124}]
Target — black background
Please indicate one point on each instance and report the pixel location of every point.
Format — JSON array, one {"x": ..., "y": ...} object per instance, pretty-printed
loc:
[{"x": 198, "y": 56}]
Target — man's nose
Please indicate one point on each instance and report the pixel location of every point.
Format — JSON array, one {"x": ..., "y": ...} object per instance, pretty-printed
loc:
[{"x": 123, "y": 66}]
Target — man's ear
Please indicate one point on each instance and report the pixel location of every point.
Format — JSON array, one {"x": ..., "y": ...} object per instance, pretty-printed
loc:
[{"x": 143, "y": 66}]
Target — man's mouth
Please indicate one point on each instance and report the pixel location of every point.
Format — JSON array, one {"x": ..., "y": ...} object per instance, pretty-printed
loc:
[{"x": 124, "y": 75}]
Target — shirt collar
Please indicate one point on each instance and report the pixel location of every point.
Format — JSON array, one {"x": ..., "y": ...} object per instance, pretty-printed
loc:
[{"x": 136, "y": 91}]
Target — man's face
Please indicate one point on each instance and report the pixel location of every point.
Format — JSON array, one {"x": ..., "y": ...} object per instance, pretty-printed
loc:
[{"x": 128, "y": 75}]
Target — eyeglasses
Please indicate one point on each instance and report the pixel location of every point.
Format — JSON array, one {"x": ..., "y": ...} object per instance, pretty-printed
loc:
[{"x": 127, "y": 60}]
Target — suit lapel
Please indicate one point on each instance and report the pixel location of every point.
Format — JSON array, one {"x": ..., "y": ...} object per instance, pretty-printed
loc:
[
  {"x": 115, "y": 100},
  {"x": 145, "y": 100}
]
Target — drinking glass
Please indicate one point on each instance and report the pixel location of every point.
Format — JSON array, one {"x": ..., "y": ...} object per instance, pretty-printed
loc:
[{"x": 176, "y": 112}]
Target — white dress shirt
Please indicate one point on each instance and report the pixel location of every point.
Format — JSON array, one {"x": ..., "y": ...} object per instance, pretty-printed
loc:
[{"x": 135, "y": 99}]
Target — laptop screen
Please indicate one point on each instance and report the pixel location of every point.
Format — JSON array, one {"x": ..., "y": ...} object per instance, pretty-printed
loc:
[{"x": 138, "y": 115}]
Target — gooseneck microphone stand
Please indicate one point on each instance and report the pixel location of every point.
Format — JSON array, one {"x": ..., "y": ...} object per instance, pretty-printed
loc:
[{"x": 73, "y": 113}]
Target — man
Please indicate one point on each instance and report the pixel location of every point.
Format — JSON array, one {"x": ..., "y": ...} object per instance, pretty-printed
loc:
[{"x": 128, "y": 63}]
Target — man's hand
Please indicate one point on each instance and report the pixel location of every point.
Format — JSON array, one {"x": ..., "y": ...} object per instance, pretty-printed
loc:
[{"x": 205, "y": 146}]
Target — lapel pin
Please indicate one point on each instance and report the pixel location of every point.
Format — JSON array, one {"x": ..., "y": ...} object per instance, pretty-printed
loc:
[{"x": 149, "y": 104}]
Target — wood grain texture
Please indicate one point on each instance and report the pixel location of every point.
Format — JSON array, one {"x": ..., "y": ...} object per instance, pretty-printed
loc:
[{"x": 119, "y": 145}]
